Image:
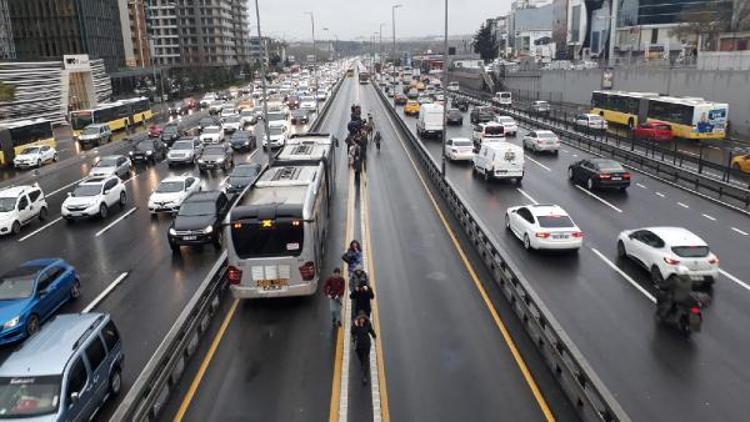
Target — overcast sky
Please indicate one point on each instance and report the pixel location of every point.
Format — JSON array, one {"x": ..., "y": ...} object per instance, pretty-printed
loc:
[{"x": 349, "y": 19}]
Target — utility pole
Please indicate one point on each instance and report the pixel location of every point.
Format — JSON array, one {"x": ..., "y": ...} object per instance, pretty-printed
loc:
[
  {"x": 380, "y": 47},
  {"x": 263, "y": 59},
  {"x": 612, "y": 32},
  {"x": 393, "y": 24},
  {"x": 445, "y": 89},
  {"x": 315, "y": 60}
]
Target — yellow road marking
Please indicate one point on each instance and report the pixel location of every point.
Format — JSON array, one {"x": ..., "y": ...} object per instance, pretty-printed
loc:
[
  {"x": 538, "y": 396},
  {"x": 204, "y": 364},
  {"x": 333, "y": 411},
  {"x": 375, "y": 314}
]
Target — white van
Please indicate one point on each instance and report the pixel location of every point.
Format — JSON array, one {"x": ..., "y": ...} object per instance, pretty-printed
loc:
[
  {"x": 503, "y": 98},
  {"x": 499, "y": 160},
  {"x": 487, "y": 132},
  {"x": 430, "y": 121}
]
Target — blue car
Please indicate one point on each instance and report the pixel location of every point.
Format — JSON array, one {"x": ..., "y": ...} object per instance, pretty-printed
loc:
[{"x": 31, "y": 293}]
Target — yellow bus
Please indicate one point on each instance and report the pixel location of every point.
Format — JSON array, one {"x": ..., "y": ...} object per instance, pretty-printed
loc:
[
  {"x": 117, "y": 115},
  {"x": 23, "y": 134},
  {"x": 689, "y": 117}
]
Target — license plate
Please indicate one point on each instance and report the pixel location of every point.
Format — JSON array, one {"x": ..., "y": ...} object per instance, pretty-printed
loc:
[
  {"x": 617, "y": 178},
  {"x": 189, "y": 237},
  {"x": 276, "y": 283},
  {"x": 560, "y": 236}
]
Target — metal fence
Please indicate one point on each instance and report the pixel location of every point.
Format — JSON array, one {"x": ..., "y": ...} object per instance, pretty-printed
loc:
[{"x": 590, "y": 397}]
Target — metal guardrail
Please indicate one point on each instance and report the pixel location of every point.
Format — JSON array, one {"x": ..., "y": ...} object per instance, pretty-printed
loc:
[
  {"x": 590, "y": 397},
  {"x": 159, "y": 378},
  {"x": 664, "y": 163}
]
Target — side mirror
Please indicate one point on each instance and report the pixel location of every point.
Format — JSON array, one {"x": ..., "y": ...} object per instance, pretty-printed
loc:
[
  {"x": 70, "y": 193},
  {"x": 106, "y": 191}
]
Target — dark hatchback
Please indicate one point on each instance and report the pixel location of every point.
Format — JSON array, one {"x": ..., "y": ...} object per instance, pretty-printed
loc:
[
  {"x": 300, "y": 117},
  {"x": 149, "y": 150},
  {"x": 243, "y": 140},
  {"x": 482, "y": 114},
  {"x": 171, "y": 133},
  {"x": 460, "y": 103},
  {"x": 242, "y": 176},
  {"x": 400, "y": 99},
  {"x": 599, "y": 173},
  {"x": 454, "y": 117},
  {"x": 198, "y": 222},
  {"x": 214, "y": 157}
]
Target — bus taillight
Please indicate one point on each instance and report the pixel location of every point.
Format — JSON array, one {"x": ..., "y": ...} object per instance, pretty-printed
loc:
[
  {"x": 234, "y": 275},
  {"x": 307, "y": 271}
]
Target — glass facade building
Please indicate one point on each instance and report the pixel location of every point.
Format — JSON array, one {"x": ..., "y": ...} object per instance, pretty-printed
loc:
[{"x": 664, "y": 12}]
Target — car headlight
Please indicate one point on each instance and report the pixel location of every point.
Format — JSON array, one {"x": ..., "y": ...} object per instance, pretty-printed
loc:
[
  {"x": 131, "y": 153},
  {"x": 172, "y": 231},
  {"x": 12, "y": 323},
  {"x": 200, "y": 161},
  {"x": 208, "y": 229},
  {"x": 149, "y": 152},
  {"x": 220, "y": 160}
]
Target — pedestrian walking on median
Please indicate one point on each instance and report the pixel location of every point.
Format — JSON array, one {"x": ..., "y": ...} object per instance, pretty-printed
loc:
[
  {"x": 356, "y": 159},
  {"x": 334, "y": 289},
  {"x": 358, "y": 277},
  {"x": 361, "y": 332},
  {"x": 353, "y": 257},
  {"x": 362, "y": 297}
]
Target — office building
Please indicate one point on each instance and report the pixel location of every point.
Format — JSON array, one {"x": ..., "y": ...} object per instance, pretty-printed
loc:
[
  {"x": 48, "y": 29},
  {"x": 134, "y": 33},
  {"x": 7, "y": 47}
]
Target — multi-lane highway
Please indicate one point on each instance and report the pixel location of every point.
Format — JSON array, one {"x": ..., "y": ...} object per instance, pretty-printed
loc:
[{"x": 606, "y": 305}]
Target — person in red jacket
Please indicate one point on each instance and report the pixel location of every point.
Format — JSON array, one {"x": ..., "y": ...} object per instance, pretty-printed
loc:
[{"x": 334, "y": 289}]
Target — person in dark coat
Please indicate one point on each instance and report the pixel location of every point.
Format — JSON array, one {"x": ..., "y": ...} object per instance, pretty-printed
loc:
[
  {"x": 358, "y": 277},
  {"x": 334, "y": 289},
  {"x": 353, "y": 257},
  {"x": 361, "y": 332},
  {"x": 362, "y": 297}
]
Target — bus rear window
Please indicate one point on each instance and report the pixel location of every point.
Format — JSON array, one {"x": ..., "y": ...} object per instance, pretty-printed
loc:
[{"x": 268, "y": 239}]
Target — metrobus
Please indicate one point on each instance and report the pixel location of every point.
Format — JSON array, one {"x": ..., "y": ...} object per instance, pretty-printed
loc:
[
  {"x": 689, "y": 117},
  {"x": 277, "y": 232},
  {"x": 117, "y": 115},
  {"x": 22, "y": 134},
  {"x": 364, "y": 77},
  {"x": 311, "y": 148}
]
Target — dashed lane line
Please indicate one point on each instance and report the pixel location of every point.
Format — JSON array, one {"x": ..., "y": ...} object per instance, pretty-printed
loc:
[
  {"x": 105, "y": 292},
  {"x": 624, "y": 275},
  {"x": 735, "y": 279},
  {"x": 709, "y": 217},
  {"x": 683, "y": 205},
  {"x": 538, "y": 163},
  {"x": 112, "y": 224},
  {"x": 742, "y": 232},
  {"x": 56, "y": 191},
  {"x": 598, "y": 198},
  {"x": 37, "y": 231},
  {"x": 661, "y": 195},
  {"x": 641, "y": 186},
  {"x": 534, "y": 201}
]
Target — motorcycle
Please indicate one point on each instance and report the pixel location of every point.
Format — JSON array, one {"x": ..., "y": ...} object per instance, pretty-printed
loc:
[{"x": 686, "y": 316}]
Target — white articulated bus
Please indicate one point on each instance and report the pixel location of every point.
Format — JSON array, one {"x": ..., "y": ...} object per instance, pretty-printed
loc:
[{"x": 276, "y": 232}]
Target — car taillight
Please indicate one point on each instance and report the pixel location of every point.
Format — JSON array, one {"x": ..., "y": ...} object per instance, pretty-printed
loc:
[
  {"x": 577, "y": 234},
  {"x": 604, "y": 176},
  {"x": 626, "y": 176},
  {"x": 234, "y": 275},
  {"x": 713, "y": 261},
  {"x": 542, "y": 235},
  {"x": 307, "y": 271},
  {"x": 695, "y": 310},
  {"x": 671, "y": 261}
]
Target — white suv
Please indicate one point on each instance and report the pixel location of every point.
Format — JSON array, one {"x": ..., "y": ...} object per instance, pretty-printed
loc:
[
  {"x": 19, "y": 205},
  {"x": 94, "y": 197},
  {"x": 171, "y": 193}
]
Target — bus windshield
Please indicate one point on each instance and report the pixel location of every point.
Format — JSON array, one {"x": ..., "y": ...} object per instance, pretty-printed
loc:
[
  {"x": 267, "y": 239},
  {"x": 81, "y": 119}
]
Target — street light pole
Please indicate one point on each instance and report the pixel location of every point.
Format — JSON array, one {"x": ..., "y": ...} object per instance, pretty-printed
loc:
[
  {"x": 380, "y": 47},
  {"x": 393, "y": 23},
  {"x": 445, "y": 89},
  {"x": 612, "y": 32},
  {"x": 266, "y": 128},
  {"x": 315, "y": 60}
]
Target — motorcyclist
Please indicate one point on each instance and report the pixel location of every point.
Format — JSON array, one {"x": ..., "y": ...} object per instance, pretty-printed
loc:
[{"x": 674, "y": 290}]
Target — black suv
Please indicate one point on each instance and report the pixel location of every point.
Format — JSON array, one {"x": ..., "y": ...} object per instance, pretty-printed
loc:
[
  {"x": 149, "y": 150},
  {"x": 215, "y": 157},
  {"x": 454, "y": 117},
  {"x": 171, "y": 133},
  {"x": 243, "y": 140},
  {"x": 198, "y": 222},
  {"x": 482, "y": 114},
  {"x": 242, "y": 176},
  {"x": 460, "y": 103}
]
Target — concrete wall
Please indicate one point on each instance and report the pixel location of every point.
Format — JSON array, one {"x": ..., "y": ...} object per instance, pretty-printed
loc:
[{"x": 575, "y": 87}]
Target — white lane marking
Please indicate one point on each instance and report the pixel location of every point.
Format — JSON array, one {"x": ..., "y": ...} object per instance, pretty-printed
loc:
[
  {"x": 624, "y": 275},
  {"x": 735, "y": 279},
  {"x": 105, "y": 292},
  {"x": 56, "y": 191},
  {"x": 709, "y": 217},
  {"x": 564, "y": 150},
  {"x": 683, "y": 205},
  {"x": 660, "y": 194},
  {"x": 112, "y": 224},
  {"x": 57, "y": 220},
  {"x": 744, "y": 233},
  {"x": 598, "y": 198},
  {"x": 575, "y": 155},
  {"x": 538, "y": 163},
  {"x": 534, "y": 201},
  {"x": 641, "y": 186}
]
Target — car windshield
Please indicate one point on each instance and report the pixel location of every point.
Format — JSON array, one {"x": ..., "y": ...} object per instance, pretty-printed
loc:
[
  {"x": 276, "y": 130},
  {"x": 207, "y": 122},
  {"x": 232, "y": 119},
  {"x": 169, "y": 130},
  {"x": 25, "y": 396},
  {"x": 275, "y": 116},
  {"x": 595, "y": 118},
  {"x": 86, "y": 190},
  {"x": 7, "y": 204},
  {"x": 217, "y": 150},
  {"x": 505, "y": 120},
  {"x": 240, "y": 137},
  {"x": 30, "y": 150},
  {"x": 246, "y": 113},
  {"x": 89, "y": 130},
  {"x": 212, "y": 130},
  {"x": 182, "y": 145},
  {"x": 170, "y": 187},
  {"x": 106, "y": 162},
  {"x": 245, "y": 171},
  {"x": 196, "y": 209},
  {"x": 462, "y": 143},
  {"x": 18, "y": 284},
  {"x": 691, "y": 251},
  {"x": 546, "y": 135},
  {"x": 609, "y": 165},
  {"x": 555, "y": 221},
  {"x": 494, "y": 130},
  {"x": 145, "y": 146}
]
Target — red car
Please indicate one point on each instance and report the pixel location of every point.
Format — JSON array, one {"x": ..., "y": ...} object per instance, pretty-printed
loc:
[
  {"x": 155, "y": 131},
  {"x": 292, "y": 102},
  {"x": 654, "y": 130}
]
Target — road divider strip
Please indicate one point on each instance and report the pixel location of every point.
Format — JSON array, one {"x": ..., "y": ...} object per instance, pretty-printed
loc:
[
  {"x": 112, "y": 224},
  {"x": 40, "y": 229}
]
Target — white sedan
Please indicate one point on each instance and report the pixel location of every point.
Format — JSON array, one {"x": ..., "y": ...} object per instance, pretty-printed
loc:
[
  {"x": 509, "y": 123},
  {"x": 660, "y": 250},
  {"x": 171, "y": 193},
  {"x": 543, "y": 227},
  {"x": 459, "y": 149},
  {"x": 35, "y": 156}
]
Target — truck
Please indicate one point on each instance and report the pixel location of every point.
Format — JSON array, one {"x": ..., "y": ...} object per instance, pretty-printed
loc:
[{"x": 430, "y": 120}]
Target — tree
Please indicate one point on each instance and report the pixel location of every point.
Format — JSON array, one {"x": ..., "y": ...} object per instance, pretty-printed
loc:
[
  {"x": 709, "y": 23},
  {"x": 7, "y": 93},
  {"x": 485, "y": 42}
]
